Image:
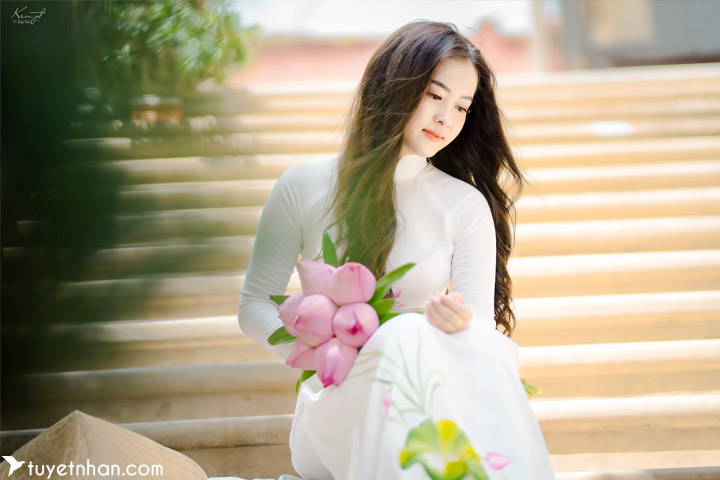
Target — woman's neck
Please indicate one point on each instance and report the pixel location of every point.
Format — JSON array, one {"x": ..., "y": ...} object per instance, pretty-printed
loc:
[{"x": 409, "y": 166}]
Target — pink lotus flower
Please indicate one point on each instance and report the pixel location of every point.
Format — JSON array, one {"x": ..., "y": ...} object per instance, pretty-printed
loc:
[
  {"x": 313, "y": 319},
  {"x": 354, "y": 323},
  {"x": 287, "y": 312},
  {"x": 351, "y": 283},
  {"x": 497, "y": 461},
  {"x": 314, "y": 277},
  {"x": 334, "y": 361},
  {"x": 302, "y": 356},
  {"x": 396, "y": 295}
]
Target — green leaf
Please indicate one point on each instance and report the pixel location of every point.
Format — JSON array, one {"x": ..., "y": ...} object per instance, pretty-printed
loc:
[
  {"x": 279, "y": 336},
  {"x": 383, "y": 306},
  {"x": 384, "y": 283},
  {"x": 384, "y": 318},
  {"x": 303, "y": 376},
  {"x": 329, "y": 251},
  {"x": 279, "y": 299},
  {"x": 530, "y": 390},
  {"x": 421, "y": 439}
]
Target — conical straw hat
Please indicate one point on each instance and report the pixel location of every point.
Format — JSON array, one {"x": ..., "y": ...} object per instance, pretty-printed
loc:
[{"x": 80, "y": 438}]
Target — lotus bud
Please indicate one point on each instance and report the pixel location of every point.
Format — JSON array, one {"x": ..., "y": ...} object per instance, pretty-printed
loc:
[
  {"x": 313, "y": 319},
  {"x": 314, "y": 277},
  {"x": 287, "y": 312},
  {"x": 302, "y": 356},
  {"x": 354, "y": 323},
  {"x": 334, "y": 361},
  {"x": 351, "y": 283}
]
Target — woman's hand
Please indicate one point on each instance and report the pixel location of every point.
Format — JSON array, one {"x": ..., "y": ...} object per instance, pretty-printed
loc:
[{"x": 448, "y": 312}]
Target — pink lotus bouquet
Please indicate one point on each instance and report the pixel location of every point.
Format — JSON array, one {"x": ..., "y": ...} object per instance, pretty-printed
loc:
[{"x": 336, "y": 312}]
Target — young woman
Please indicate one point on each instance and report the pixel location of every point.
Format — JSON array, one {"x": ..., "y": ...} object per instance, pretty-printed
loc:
[{"x": 418, "y": 180}]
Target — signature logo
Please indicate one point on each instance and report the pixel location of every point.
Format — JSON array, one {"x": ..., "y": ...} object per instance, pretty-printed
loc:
[
  {"x": 21, "y": 16},
  {"x": 14, "y": 464}
]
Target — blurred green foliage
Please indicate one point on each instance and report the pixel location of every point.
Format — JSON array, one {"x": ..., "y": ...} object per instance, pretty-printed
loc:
[{"x": 165, "y": 46}]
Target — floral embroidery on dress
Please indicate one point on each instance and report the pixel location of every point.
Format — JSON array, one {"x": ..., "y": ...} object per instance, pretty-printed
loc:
[
  {"x": 441, "y": 447},
  {"x": 443, "y": 450}
]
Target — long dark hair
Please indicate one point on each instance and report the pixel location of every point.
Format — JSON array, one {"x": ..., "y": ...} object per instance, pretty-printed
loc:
[{"x": 392, "y": 87}]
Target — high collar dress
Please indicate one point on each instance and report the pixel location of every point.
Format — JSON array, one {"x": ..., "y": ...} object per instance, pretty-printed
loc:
[{"x": 418, "y": 403}]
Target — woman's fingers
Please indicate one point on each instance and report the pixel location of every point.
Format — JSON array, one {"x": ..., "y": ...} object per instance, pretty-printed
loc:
[
  {"x": 458, "y": 307},
  {"x": 444, "y": 310},
  {"x": 448, "y": 312},
  {"x": 436, "y": 319}
]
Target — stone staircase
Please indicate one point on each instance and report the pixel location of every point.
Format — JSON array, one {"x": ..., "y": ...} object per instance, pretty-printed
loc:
[{"x": 616, "y": 275}]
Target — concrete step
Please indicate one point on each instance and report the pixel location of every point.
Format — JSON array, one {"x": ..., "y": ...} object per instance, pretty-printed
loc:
[
  {"x": 216, "y": 145},
  {"x": 145, "y": 343},
  {"x": 260, "y": 388},
  {"x": 607, "y": 428},
  {"x": 617, "y": 236},
  {"x": 205, "y": 169},
  {"x": 623, "y": 369},
  {"x": 190, "y": 225},
  {"x": 622, "y": 178},
  {"x": 612, "y": 129},
  {"x": 657, "y": 312},
  {"x": 643, "y": 317},
  {"x": 548, "y": 276},
  {"x": 615, "y": 273},
  {"x": 214, "y": 124},
  {"x": 670, "y": 202},
  {"x": 613, "y": 83},
  {"x": 157, "y": 393},
  {"x": 520, "y": 111},
  {"x": 619, "y": 151},
  {"x": 667, "y": 466},
  {"x": 283, "y": 100},
  {"x": 193, "y": 195},
  {"x": 210, "y": 255},
  {"x": 654, "y": 423},
  {"x": 170, "y": 246}
]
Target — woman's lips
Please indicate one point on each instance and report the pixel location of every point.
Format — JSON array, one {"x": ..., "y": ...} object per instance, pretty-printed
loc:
[{"x": 433, "y": 135}]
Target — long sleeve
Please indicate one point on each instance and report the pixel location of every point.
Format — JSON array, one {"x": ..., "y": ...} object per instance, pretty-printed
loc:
[
  {"x": 473, "y": 259},
  {"x": 277, "y": 246}
]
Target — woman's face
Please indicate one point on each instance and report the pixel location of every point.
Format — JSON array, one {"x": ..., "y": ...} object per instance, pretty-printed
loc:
[{"x": 441, "y": 114}]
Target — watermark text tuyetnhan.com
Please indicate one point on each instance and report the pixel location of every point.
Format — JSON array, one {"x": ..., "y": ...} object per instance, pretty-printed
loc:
[{"x": 89, "y": 469}]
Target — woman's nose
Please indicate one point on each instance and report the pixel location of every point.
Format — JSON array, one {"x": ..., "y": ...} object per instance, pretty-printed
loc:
[{"x": 443, "y": 117}]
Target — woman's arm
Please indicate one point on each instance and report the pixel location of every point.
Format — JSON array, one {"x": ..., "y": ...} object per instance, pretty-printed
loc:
[
  {"x": 472, "y": 276},
  {"x": 274, "y": 255}
]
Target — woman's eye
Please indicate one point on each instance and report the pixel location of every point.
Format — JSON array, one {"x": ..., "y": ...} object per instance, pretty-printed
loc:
[
  {"x": 434, "y": 97},
  {"x": 463, "y": 109}
]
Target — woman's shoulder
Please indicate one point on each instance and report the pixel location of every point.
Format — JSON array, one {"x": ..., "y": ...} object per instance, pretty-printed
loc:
[
  {"x": 310, "y": 171},
  {"x": 308, "y": 177},
  {"x": 457, "y": 193}
]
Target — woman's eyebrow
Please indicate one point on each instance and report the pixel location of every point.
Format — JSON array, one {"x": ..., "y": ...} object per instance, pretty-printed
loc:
[{"x": 447, "y": 89}]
